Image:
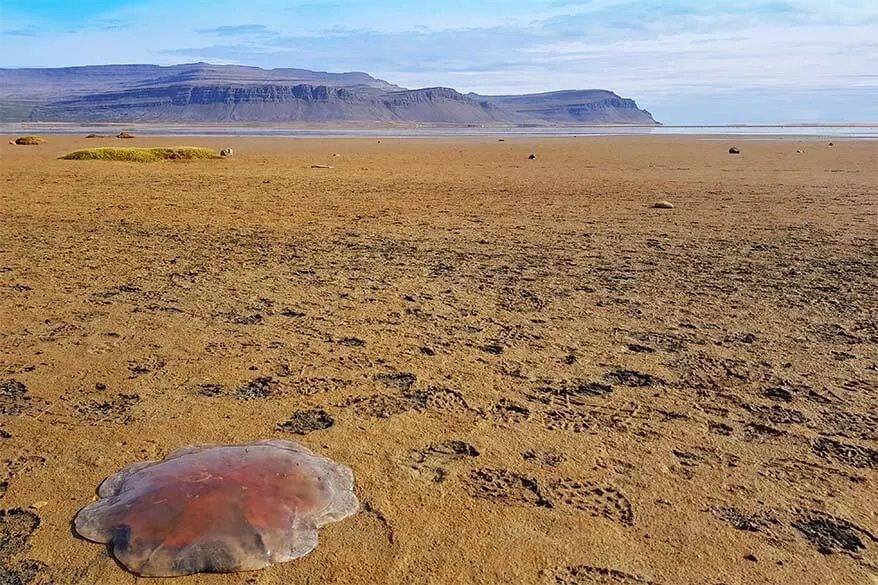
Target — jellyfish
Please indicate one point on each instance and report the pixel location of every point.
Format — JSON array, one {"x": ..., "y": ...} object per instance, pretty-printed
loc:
[{"x": 218, "y": 508}]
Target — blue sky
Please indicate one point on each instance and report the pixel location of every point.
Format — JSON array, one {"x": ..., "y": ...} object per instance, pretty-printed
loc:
[{"x": 687, "y": 61}]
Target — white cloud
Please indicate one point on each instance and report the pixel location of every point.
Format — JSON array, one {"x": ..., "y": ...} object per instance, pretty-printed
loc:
[
  {"x": 652, "y": 50},
  {"x": 769, "y": 57}
]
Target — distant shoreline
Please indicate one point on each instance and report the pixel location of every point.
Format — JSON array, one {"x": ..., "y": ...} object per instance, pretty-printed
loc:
[
  {"x": 380, "y": 126},
  {"x": 861, "y": 131}
]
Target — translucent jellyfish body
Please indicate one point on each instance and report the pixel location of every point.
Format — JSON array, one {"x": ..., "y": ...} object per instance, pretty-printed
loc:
[{"x": 218, "y": 508}]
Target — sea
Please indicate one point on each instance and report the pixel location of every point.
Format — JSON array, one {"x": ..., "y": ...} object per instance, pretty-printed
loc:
[{"x": 857, "y": 132}]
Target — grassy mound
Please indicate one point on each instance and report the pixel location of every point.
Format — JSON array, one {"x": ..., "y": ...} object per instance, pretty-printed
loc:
[
  {"x": 30, "y": 140},
  {"x": 142, "y": 154}
]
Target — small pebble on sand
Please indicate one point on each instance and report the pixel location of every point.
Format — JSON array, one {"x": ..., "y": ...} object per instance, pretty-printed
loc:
[{"x": 663, "y": 205}]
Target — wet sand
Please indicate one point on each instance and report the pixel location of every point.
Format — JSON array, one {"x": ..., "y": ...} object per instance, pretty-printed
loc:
[{"x": 535, "y": 376}]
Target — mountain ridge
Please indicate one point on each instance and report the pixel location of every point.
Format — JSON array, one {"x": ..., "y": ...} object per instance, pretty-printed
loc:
[{"x": 201, "y": 92}]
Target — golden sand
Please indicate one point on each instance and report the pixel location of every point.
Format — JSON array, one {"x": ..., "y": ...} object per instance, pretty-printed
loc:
[{"x": 536, "y": 376}]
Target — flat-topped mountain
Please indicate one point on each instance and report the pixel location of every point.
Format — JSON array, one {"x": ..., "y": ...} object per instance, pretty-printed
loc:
[
  {"x": 571, "y": 107},
  {"x": 207, "y": 93}
]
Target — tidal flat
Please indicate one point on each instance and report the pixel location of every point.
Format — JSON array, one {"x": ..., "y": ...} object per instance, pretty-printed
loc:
[{"x": 535, "y": 376}]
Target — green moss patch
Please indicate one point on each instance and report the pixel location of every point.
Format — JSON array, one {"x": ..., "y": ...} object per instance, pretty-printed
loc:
[{"x": 143, "y": 154}]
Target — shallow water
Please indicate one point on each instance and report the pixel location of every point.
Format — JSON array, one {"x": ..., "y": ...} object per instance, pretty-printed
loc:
[{"x": 745, "y": 132}]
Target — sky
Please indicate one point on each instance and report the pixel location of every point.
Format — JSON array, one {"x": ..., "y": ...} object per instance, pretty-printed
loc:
[{"x": 686, "y": 61}]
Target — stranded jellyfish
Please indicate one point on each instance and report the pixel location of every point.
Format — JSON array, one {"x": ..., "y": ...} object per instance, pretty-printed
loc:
[{"x": 218, "y": 508}]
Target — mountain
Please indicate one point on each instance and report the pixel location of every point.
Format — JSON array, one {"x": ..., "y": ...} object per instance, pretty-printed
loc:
[
  {"x": 204, "y": 93},
  {"x": 596, "y": 106}
]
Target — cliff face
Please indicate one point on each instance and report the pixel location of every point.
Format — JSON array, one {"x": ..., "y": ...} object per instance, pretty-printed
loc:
[
  {"x": 269, "y": 103},
  {"x": 65, "y": 82},
  {"x": 573, "y": 107},
  {"x": 214, "y": 93}
]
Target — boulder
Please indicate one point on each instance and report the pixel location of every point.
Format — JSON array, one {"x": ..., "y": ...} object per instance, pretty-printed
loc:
[
  {"x": 30, "y": 140},
  {"x": 663, "y": 205},
  {"x": 734, "y": 150}
]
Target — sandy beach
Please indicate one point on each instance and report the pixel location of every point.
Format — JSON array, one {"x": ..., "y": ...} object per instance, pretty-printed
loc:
[{"x": 536, "y": 377}]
